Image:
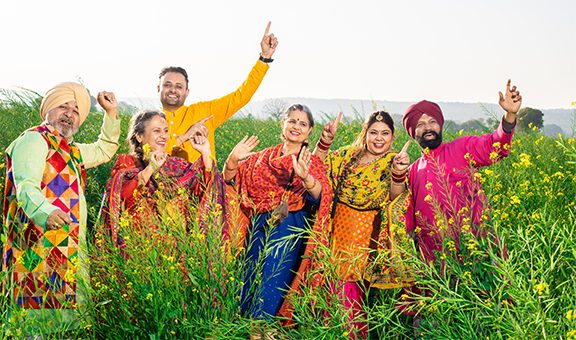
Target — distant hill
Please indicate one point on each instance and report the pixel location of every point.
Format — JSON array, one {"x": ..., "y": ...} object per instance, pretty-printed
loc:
[{"x": 554, "y": 119}]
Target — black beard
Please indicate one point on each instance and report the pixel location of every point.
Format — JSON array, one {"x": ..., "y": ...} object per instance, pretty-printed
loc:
[{"x": 430, "y": 144}]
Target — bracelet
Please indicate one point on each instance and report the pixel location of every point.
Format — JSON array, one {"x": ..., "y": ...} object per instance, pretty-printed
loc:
[
  {"x": 323, "y": 145},
  {"x": 398, "y": 177},
  {"x": 313, "y": 184},
  {"x": 265, "y": 60}
]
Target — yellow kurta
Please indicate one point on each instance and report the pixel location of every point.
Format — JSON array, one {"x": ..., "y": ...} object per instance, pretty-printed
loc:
[{"x": 222, "y": 108}]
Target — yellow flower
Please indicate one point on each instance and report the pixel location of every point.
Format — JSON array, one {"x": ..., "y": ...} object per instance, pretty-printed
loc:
[
  {"x": 146, "y": 150},
  {"x": 149, "y": 296},
  {"x": 515, "y": 200},
  {"x": 541, "y": 287},
  {"x": 428, "y": 185},
  {"x": 570, "y": 314},
  {"x": 496, "y": 145},
  {"x": 525, "y": 160},
  {"x": 494, "y": 156},
  {"x": 70, "y": 276},
  {"x": 478, "y": 177},
  {"x": 428, "y": 198},
  {"x": 488, "y": 172}
]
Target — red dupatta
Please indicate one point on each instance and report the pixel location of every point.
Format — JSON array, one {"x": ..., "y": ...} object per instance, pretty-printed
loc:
[{"x": 123, "y": 193}]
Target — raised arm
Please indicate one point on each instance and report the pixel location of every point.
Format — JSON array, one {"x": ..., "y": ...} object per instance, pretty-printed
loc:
[
  {"x": 399, "y": 168},
  {"x": 302, "y": 170},
  {"x": 202, "y": 145},
  {"x": 241, "y": 151},
  {"x": 105, "y": 147},
  {"x": 327, "y": 137},
  {"x": 510, "y": 102}
]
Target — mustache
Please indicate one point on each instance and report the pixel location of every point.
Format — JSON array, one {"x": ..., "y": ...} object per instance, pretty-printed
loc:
[{"x": 433, "y": 133}]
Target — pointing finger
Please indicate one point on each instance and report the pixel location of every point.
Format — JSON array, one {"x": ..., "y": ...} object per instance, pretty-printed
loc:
[
  {"x": 405, "y": 147},
  {"x": 203, "y": 120},
  {"x": 267, "y": 28},
  {"x": 337, "y": 120}
]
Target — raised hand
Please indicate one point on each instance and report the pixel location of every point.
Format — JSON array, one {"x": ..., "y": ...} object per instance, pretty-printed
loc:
[
  {"x": 198, "y": 129},
  {"x": 200, "y": 144},
  {"x": 512, "y": 100},
  {"x": 330, "y": 129},
  {"x": 268, "y": 43},
  {"x": 402, "y": 159},
  {"x": 157, "y": 159},
  {"x": 244, "y": 148},
  {"x": 302, "y": 164},
  {"x": 108, "y": 102}
]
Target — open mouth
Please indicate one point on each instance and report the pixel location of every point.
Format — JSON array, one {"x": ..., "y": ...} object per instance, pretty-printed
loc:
[
  {"x": 429, "y": 135},
  {"x": 65, "y": 122}
]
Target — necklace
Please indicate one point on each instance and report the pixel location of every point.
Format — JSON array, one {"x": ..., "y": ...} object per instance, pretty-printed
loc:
[{"x": 362, "y": 161}]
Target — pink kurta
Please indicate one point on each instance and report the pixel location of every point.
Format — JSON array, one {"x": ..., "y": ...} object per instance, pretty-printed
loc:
[{"x": 443, "y": 178}]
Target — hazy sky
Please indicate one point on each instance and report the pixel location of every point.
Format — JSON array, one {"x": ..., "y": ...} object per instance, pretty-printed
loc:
[{"x": 383, "y": 50}]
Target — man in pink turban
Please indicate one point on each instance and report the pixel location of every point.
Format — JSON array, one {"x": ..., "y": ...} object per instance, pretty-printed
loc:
[
  {"x": 442, "y": 179},
  {"x": 44, "y": 206}
]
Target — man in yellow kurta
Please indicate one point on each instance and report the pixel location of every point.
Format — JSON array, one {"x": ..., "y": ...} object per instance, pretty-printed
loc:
[{"x": 205, "y": 117}]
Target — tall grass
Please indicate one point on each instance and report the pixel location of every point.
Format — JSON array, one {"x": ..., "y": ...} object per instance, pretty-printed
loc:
[{"x": 179, "y": 281}]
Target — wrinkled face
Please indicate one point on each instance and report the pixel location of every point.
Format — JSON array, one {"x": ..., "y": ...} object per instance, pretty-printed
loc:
[
  {"x": 428, "y": 132},
  {"x": 65, "y": 119},
  {"x": 296, "y": 128},
  {"x": 378, "y": 138},
  {"x": 172, "y": 90},
  {"x": 155, "y": 134}
]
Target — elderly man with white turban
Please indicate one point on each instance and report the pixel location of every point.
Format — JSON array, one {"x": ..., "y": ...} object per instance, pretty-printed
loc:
[{"x": 45, "y": 209}]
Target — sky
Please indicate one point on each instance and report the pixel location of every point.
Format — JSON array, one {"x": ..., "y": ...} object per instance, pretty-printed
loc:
[{"x": 442, "y": 50}]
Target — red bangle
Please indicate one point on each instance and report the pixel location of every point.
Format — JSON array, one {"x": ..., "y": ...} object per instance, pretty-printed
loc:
[
  {"x": 322, "y": 145},
  {"x": 398, "y": 178}
]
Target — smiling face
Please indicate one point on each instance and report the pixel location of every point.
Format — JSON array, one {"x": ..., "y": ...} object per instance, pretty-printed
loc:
[
  {"x": 296, "y": 127},
  {"x": 172, "y": 90},
  {"x": 428, "y": 132},
  {"x": 378, "y": 138},
  {"x": 155, "y": 134},
  {"x": 65, "y": 119}
]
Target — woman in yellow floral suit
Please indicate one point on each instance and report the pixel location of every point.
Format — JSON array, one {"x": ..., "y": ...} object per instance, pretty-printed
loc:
[{"x": 369, "y": 184}]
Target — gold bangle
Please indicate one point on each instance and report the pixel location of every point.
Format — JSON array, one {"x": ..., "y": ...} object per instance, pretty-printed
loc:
[{"x": 313, "y": 184}]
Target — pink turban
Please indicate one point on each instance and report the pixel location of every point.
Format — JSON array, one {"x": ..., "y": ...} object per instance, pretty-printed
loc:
[
  {"x": 415, "y": 111},
  {"x": 63, "y": 93}
]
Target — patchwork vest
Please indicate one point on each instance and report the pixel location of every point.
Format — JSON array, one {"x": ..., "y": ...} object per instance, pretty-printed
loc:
[{"x": 43, "y": 263}]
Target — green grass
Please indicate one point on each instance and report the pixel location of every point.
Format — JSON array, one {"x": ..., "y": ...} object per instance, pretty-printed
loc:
[{"x": 531, "y": 293}]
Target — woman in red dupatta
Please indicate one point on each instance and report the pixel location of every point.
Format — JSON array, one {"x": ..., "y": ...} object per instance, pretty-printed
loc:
[
  {"x": 139, "y": 179},
  {"x": 283, "y": 176}
]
